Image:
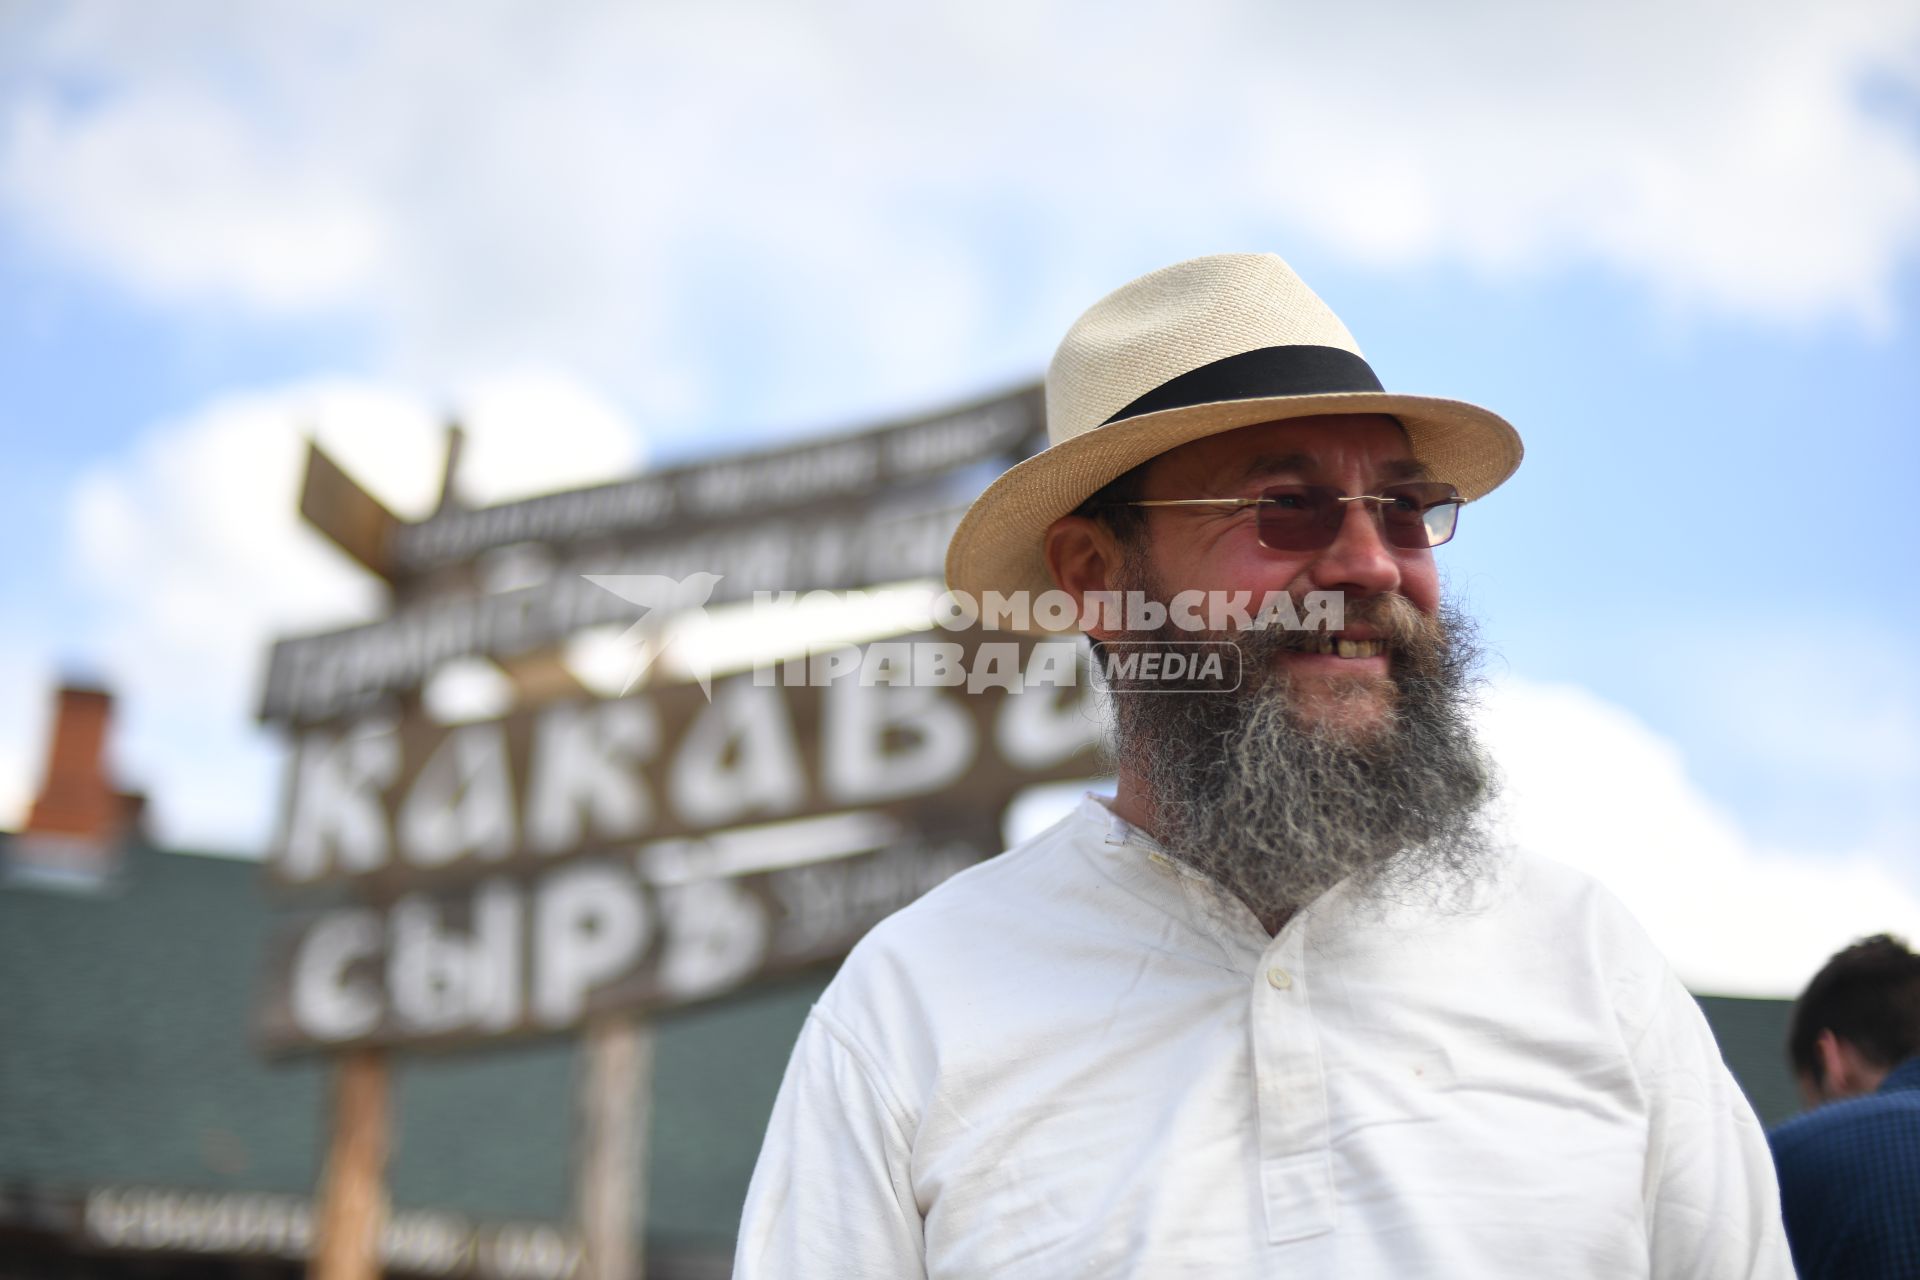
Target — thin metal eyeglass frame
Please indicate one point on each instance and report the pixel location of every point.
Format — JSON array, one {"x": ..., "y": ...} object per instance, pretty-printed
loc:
[{"x": 1456, "y": 503}]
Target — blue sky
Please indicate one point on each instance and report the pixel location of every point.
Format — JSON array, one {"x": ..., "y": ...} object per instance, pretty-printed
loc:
[{"x": 1677, "y": 245}]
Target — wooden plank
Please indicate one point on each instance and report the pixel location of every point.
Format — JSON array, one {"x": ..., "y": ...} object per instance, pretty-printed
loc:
[
  {"x": 242, "y": 1227},
  {"x": 673, "y": 924},
  {"x": 353, "y": 1199},
  {"x": 838, "y": 468},
  {"x": 610, "y": 1145},
  {"x": 357, "y": 522},
  {"x": 832, "y": 546},
  {"x": 393, "y": 806}
]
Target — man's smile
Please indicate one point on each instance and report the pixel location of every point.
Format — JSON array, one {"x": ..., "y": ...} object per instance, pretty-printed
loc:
[
  {"x": 1340, "y": 659},
  {"x": 1354, "y": 651},
  {"x": 1345, "y": 647}
]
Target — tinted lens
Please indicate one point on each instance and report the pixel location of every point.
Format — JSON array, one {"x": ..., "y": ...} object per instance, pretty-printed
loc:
[
  {"x": 1299, "y": 517},
  {"x": 1307, "y": 517},
  {"x": 1419, "y": 515}
]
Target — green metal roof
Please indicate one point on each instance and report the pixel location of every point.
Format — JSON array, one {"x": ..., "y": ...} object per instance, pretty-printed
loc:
[
  {"x": 125, "y": 1057},
  {"x": 126, "y": 1060},
  {"x": 1753, "y": 1040}
]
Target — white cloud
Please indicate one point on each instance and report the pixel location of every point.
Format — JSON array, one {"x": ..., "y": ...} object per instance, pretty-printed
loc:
[
  {"x": 194, "y": 557},
  {"x": 530, "y": 431},
  {"x": 628, "y": 189},
  {"x": 1590, "y": 785},
  {"x": 155, "y": 191}
]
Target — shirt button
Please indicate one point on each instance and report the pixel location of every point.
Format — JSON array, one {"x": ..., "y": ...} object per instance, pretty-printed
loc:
[{"x": 1280, "y": 979}]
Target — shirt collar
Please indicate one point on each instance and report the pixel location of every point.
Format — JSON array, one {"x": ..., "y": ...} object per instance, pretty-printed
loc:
[
  {"x": 1903, "y": 1077},
  {"x": 1132, "y": 857}
]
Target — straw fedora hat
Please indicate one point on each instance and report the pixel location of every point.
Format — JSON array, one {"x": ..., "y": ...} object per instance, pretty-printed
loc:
[{"x": 1185, "y": 352}]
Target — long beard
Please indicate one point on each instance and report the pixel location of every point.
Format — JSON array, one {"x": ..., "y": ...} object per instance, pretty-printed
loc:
[{"x": 1278, "y": 806}]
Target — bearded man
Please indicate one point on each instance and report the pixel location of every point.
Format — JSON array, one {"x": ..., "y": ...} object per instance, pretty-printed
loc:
[{"x": 1283, "y": 1005}]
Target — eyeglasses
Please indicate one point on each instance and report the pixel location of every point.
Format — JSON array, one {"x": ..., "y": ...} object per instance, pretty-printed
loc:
[{"x": 1307, "y": 517}]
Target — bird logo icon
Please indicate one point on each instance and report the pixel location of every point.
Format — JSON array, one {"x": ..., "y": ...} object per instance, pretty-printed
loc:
[{"x": 659, "y": 599}]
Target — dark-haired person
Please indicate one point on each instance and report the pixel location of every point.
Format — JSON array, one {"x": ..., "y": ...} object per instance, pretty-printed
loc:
[
  {"x": 1284, "y": 1006},
  {"x": 1850, "y": 1167}
]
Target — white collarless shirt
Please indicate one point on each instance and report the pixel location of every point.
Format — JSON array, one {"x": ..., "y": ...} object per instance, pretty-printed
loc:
[{"x": 1081, "y": 1058}]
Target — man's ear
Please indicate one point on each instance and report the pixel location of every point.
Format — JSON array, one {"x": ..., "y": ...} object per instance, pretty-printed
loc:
[
  {"x": 1826, "y": 1052},
  {"x": 1845, "y": 1072},
  {"x": 1084, "y": 558}
]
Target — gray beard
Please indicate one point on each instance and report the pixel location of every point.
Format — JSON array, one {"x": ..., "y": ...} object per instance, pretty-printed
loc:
[{"x": 1278, "y": 811}]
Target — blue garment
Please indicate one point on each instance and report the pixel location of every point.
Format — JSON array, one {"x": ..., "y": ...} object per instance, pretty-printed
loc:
[{"x": 1850, "y": 1183}]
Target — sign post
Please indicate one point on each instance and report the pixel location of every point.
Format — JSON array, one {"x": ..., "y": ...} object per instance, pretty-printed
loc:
[
  {"x": 353, "y": 1196},
  {"x": 610, "y": 1149}
]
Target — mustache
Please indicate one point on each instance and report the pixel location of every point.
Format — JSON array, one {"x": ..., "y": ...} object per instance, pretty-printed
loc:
[
  {"x": 1420, "y": 645},
  {"x": 1392, "y": 618}
]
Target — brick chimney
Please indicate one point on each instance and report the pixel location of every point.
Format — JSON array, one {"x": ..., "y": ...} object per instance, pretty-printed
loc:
[{"x": 80, "y": 819}]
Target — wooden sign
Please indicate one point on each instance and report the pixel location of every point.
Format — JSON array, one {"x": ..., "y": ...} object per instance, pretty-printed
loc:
[
  {"x": 319, "y": 677},
  {"x": 749, "y": 486},
  {"x": 672, "y": 923},
  {"x": 970, "y": 717},
  {"x": 581, "y": 862},
  {"x": 259, "y": 1225},
  {"x": 526, "y": 874}
]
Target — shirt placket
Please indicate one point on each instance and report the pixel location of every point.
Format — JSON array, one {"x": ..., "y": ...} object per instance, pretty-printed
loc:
[
  {"x": 1289, "y": 1079},
  {"x": 1296, "y": 1167}
]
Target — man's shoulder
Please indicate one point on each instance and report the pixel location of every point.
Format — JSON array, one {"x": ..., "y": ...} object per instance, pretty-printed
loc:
[
  {"x": 1579, "y": 933},
  {"x": 962, "y": 923},
  {"x": 958, "y": 958},
  {"x": 1558, "y": 899},
  {"x": 1855, "y": 1162},
  {"x": 1888, "y": 1118},
  {"x": 1027, "y": 876},
  {"x": 1577, "y": 900},
  {"x": 1546, "y": 881}
]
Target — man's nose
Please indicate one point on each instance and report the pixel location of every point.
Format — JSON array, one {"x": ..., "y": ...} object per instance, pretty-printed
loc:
[{"x": 1358, "y": 560}]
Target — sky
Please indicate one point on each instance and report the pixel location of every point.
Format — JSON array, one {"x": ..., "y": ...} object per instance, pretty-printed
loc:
[{"x": 1676, "y": 244}]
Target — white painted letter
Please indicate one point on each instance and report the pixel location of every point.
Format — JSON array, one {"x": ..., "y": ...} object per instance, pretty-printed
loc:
[
  {"x": 857, "y": 764},
  {"x": 590, "y": 925},
  {"x": 462, "y": 802},
  {"x": 336, "y": 801},
  {"x": 586, "y": 773},
  {"x": 764, "y": 776},
  {"x": 323, "y": 1004}
]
